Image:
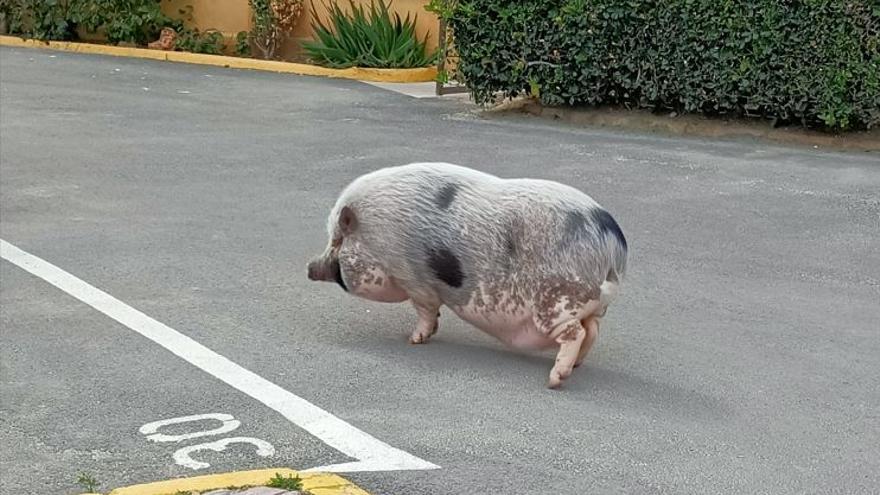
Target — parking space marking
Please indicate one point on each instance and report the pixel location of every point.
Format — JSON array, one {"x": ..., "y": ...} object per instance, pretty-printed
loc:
[
  {"x": 151, "y": 430},
  {"x": 371, "y": 453},
  {"x": 184, "y": 458}
]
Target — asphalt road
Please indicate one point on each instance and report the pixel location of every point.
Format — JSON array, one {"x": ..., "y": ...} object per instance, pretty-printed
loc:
[{"x": 742, "y": 356}]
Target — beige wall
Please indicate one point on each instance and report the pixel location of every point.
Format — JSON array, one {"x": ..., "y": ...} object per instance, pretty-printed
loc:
[
  {"x": 232, "y": 16},
  {"x": 228, "y": 16}
]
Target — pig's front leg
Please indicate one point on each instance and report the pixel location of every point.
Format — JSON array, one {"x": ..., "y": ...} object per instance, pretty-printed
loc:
[{"x": 429, "y": 316}]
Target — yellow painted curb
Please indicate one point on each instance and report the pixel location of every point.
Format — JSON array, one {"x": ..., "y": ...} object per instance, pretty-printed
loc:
[
  {"x": 424, "y": 74},
  {"x": 316, "y": 483}
]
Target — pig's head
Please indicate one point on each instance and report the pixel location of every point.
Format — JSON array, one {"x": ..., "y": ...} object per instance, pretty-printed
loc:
[{"x": 326, "y": 267}]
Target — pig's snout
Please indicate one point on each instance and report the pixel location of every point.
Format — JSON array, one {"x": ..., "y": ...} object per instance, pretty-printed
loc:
[
  {"x": 326, "y": 270},
  {"x": 315, "y": 271},
  {"x": 322, "y": 270}
]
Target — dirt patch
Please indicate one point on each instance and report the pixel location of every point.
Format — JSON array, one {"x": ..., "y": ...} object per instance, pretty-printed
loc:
[{"x": 693, "y": 125}]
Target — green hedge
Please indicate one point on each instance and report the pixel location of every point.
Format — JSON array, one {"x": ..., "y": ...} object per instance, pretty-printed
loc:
[
  {"x": 815, "y": 62},
  {"x": 132, "y": 21}
]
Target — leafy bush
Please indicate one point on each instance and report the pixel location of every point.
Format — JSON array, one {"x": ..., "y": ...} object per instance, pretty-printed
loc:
[
  {"x": 816, "y": 62},
  {"x": 367, "y": 39},
  {"x": 192, "y": 40},
  {"x": 132, "y": 21},
  {"x": 273, "y": 22},
  {"x": 41, "y": 19},
  {"x": 243, "y": 44}
]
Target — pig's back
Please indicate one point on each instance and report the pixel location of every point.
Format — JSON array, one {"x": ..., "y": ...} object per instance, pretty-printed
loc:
[{"x": 454, "y": 230}]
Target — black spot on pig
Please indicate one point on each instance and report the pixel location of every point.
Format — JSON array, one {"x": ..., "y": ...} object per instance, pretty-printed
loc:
[
  {"x": 607, "y": 225},
  {"x": 575, "y": 227},
  {"x": 446, "y": 267},
  {"x": 446, "y": 195}
]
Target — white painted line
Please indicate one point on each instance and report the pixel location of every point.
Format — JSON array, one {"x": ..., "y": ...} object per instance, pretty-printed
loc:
[{"x": 371, "y": 453}]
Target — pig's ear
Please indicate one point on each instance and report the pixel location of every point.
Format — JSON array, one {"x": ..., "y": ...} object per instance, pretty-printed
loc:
[{"x": 347, "y": 220}]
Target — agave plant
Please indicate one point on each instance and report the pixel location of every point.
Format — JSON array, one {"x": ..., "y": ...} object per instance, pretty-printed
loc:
[{"x": 362, "y": 38}]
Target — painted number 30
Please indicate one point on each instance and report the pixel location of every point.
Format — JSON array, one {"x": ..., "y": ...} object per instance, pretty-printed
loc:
[{"x": 183, "y": 456}]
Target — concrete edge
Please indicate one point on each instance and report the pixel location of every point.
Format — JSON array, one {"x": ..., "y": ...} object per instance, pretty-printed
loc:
[
  {"x": 316, "y": 483},
  {"x": 692, "y": 126},
  {"x": 424, "y": 74}
]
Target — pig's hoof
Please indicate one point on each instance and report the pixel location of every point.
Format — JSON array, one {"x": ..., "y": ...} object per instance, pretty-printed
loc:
[
  {"x": 421, "y": 338},
  {"x": 557, "y": 377},
  {"x": 555, "y": 381}
]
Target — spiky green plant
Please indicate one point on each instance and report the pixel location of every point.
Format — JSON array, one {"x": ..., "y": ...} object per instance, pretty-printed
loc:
[
  {"x": 87, "y": 482},
  {"x": 367, "y": 38},
  {"x": 292, "y": 483}
]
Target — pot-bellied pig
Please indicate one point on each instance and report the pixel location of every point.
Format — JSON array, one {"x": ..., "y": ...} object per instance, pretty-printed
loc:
[{"x": 532, "y": 262}]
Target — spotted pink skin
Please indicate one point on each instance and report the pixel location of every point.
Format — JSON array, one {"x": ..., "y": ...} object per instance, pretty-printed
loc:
[
  {"x": 516, "y": 327},
  {"x": 378, "y": 286}
]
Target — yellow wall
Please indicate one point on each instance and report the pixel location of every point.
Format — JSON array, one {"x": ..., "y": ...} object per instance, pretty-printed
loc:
[{"x": 232, "y": 16}]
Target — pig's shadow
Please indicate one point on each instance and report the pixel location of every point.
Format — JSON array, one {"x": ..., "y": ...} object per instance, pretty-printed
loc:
[{"x": 594, "y": 381}]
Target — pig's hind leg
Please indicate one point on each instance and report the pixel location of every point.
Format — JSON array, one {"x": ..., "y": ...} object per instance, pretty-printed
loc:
[
  {"x": 591, "y": 325},
  {"x": 429, "y": 321},
  {"x": 571, "y": 338},
  {"x": 571, "y": 324},
  {"x": 608, "y": 291}
]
